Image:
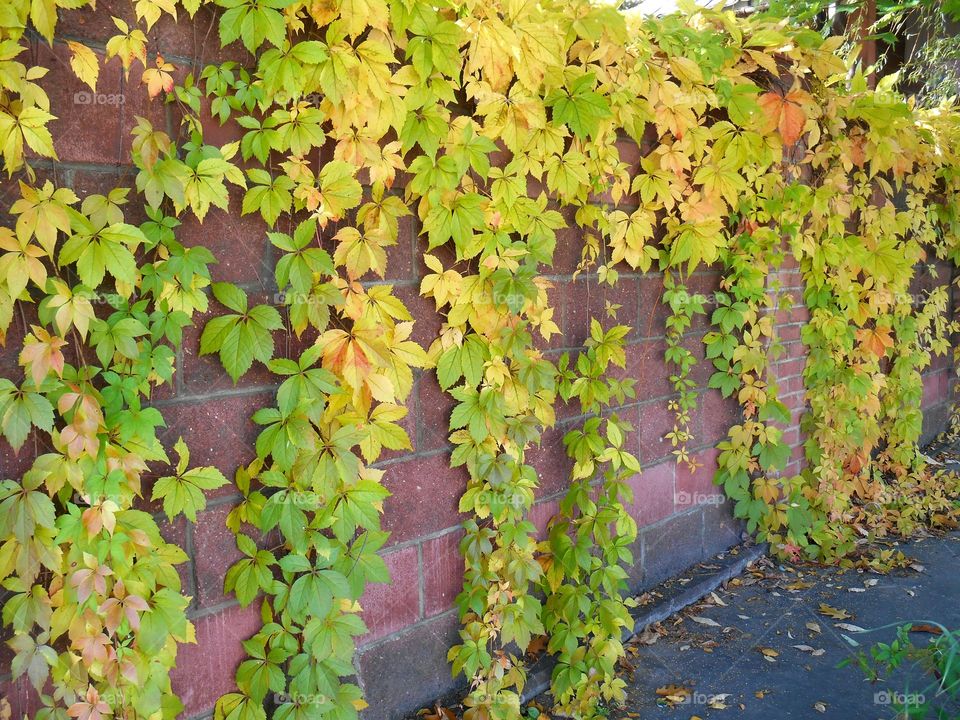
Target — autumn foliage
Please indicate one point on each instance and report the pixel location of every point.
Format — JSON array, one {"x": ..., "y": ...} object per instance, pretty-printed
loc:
[{"x": 756, "y": 144}]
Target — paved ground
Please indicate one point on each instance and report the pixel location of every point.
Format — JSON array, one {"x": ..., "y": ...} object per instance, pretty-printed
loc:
[{"x": 748, "y": 653}]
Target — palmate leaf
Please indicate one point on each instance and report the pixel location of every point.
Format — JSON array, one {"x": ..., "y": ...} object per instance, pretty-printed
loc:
[
  {"x": 109, "y": 250},
  {"x": 32, "y": 658},
  {"x": 580, "y": 108},
  {"x": 23, "y": 510},
  {"x": 237, "y": 706},
  {"x": 28, "y": 127},
  {"x": 269, "y": 196},
  {"x": 252, "y": 22},
  {"x": 339, "y": 190},
  {"x": 183, "y": 492},
  {"x": 243, "y": 337},
  {"x": 20, "y": 410}
]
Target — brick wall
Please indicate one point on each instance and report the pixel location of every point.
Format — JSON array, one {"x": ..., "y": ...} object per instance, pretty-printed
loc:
[{"x": 402, "y": 660}]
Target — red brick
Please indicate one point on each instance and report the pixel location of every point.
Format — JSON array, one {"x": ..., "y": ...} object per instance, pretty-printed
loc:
[
  {"x": 189, "y": 38},
  {"x": 215, "y": 551},
  {"x": 791, "y": 436},
  {"x": 442, "y": 572},
  {"x": 706, "y": 283},
  {"x": 205, "y": 671},
  {"x": 401, "y": 261},
  {"x": 653, "y": 311},
  {"x": 238, "y": 242},
  {"x": 630, "y": 153},
  {"x": 13, "y": 464},
  {"x": 575, "y": 323},
  {"x": 936, "y": 388},
  {"x": 716, "y": 415},
  {"x": 788, "y": 333},
  {"x": 625, "y": 293},
  {"x": 217, "y": 430},
  {"x": 790, "y": 368},
  {"x": 791, "y": 385},
  {"x": 702, "y": 370},
  {"x": 792, "y": 315},
  {"x": 794, "y": 401},
  {"x": 426, "y": 496},
  {"x": 653, "y": 494},
  {"x": 792, "y": 350},
  {"x": 89, "y": 125},
  {"x": 427, "y": 322},
  {"x": 653, "y": 376},
  {"x": 175, "y": 533},
  {"x": 567, "y": 254},
  {"x": 395, "y": 605},
  {"x": 540, "y": 515},
  {"x": 433, "y": 413},
  {"x": 697, "y": 485},
  {"x": 551, "y": 462},
  {"x": 656, "y": 421}
]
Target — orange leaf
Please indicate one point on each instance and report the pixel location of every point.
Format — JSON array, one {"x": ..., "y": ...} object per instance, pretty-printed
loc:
[
  {"x": 159, "y": 78},
  {"x": 875, "y": 341},
  {"x": 784, "y": 113},
  {"x": 41, "y": 354}
]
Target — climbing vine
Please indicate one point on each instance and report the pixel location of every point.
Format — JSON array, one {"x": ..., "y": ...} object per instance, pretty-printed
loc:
[
  {"x": 696, "y": 140},
  {"x": 95, "y": 603}
]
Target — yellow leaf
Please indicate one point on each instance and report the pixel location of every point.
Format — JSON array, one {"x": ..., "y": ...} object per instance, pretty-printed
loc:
[{"x": 84, "y": 62}]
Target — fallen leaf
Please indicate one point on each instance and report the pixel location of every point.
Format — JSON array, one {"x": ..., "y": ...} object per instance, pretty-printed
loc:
[
  {"x": 704, "y": 621},
  {"x": 832, "y": 612},
  {"x": 813, "y": 627},
  {"x": 925, "y": 628},
  {"x": 820, "y": 707},
  {"x": 848, "y": 627},
  {"x": 716, "y": 600},
  {"x": 648, "y": 636},
  {"x": 674, "y": 694}
]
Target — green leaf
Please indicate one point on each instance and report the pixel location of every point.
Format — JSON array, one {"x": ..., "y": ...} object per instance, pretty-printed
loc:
[
  {"x": 581, "y": 108},
  {"x": 21, "y": 410},
  {"x": 183, "y": 492}
]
